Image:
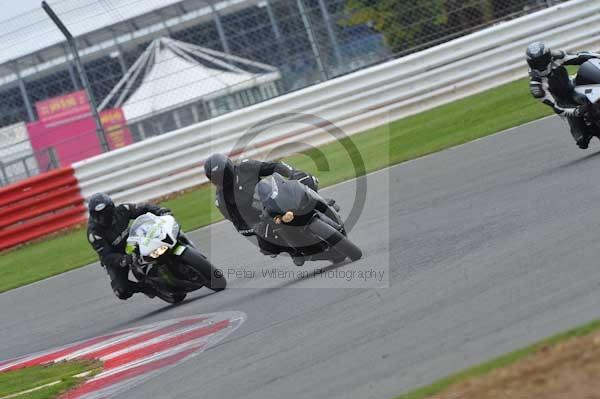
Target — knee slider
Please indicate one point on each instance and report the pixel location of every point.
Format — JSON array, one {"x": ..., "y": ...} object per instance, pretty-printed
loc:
[{"x": 122, "y": 294}]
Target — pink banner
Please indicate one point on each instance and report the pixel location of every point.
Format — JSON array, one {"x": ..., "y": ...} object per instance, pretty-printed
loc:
[
  {"x": 67, "y": 127},
  {"x": 115, "y": 126},
  {"x": 63, "y": 109}
]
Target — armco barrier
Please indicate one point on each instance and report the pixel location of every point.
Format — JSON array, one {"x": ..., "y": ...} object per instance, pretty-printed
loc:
[
  {"x": 354, "y": 103},
  {"x": 38, "y": 206}
]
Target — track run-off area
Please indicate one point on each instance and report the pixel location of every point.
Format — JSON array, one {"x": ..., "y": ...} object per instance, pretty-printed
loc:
[{"x": 487, "y": 247}]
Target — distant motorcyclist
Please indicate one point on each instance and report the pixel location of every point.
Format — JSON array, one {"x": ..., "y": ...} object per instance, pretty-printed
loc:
[
  {"x": 235, "y": 195},
  {"x": 108, "y": 228},
  {"x": 550, "y": 83}
]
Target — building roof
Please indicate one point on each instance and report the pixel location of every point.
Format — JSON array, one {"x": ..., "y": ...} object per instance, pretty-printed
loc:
[
  {"x": 37, "y": 44},
  {"x": 33, "y": 31},
  {"x": 171, "y": 73}
]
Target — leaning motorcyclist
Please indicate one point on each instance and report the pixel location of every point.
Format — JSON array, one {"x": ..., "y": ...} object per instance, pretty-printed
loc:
[
  {"x": 550, "y": 83},
  {"x": 235, "y": 195},
  {"x": 108, "y": 228}
]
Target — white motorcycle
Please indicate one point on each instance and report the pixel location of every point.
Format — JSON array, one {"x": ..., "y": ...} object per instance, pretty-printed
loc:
[
  {"x": 167, "y": 260},
  {"x": 587, "y": 85}
]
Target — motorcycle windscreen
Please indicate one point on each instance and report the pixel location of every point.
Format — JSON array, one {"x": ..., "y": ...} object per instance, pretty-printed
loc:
[
  {"x": 588, "y": 73},
  {"x": 591, "y": 92},
  {"x": 142, "y": 227}
]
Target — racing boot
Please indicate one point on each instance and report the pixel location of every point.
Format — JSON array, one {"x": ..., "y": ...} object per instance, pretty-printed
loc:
[
  {"x": 581, "y": 132},
  {"x": 584, "y": 142}
]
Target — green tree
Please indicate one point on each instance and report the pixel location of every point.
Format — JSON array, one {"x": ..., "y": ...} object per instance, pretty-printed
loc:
[
  {"x": 409, "y": 23},
  {"x": 467, "y": 14},
  {"x": 403, "y": 23}
]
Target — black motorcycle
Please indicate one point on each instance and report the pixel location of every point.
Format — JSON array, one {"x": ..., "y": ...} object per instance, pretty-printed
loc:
[{"x": 298, "y": 217}]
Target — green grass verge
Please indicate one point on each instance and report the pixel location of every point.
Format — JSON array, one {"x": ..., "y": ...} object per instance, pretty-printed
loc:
[
  {"x": 434, "y": 130},
  {"x": 12, "y": 382},
  {"x": 502, "y": 361}
]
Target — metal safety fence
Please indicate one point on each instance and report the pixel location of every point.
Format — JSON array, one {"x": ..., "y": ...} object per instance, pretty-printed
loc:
[{"x": 157, "y": 66}]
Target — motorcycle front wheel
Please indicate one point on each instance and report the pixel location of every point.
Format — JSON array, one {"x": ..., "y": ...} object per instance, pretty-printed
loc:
[
  {"x": 335, "y": 239},
  {"x": 210, "y": 276}
]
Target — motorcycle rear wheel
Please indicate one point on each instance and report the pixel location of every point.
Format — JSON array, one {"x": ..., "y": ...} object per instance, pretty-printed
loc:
[{"x": 173, "y": 299}]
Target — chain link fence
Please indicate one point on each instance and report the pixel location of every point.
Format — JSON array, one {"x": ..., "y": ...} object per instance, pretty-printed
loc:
[{"x": 177, "y": 63}]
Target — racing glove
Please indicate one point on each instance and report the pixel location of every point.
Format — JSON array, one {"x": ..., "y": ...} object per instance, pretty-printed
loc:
[
  {"x": 128, "y": 260},
  {"x": 582, "y": 110},
  {"x": 536, "y": 90}
]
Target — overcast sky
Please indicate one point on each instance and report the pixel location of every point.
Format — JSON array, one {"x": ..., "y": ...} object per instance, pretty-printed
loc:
[
  {"x": 11, "y": 8},
  {"x": 25, "y": 27}
]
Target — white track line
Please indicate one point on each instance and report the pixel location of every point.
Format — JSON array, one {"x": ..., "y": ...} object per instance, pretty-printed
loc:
[{"x": 14, "y": 395}]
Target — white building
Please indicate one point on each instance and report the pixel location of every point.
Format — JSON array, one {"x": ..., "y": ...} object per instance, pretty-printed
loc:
[{"x": 174, "y": 84}]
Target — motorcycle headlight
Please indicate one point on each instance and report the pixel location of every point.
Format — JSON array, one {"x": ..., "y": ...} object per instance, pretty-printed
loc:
[
  {"x": 175, "y": 231},
  {"x": 159, "y": 251}
]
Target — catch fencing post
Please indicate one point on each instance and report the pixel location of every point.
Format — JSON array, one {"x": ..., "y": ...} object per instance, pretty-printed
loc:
[
  {"x": 84, "y": 80},
  {"x": 312, "y": 39}
]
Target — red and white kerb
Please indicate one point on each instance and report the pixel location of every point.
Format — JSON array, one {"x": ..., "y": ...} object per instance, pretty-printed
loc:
[{"x": 133, "y": 355}]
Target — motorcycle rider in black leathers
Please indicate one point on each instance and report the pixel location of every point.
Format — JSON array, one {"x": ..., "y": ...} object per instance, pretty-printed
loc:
[
  {"x": 550, "y": 83},
  {"x": 235, "y": 196},
  {"x": 108, "y": 228}
]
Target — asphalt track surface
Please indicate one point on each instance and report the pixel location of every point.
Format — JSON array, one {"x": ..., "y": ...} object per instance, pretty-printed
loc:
[{"x": 492, "y": 245}]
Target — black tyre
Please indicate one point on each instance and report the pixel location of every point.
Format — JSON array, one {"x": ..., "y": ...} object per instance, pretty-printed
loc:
[
  {"x": 172, "y": 298},
  {"x": 336, "y": 240},
  {"x": 211, "y": 276}
]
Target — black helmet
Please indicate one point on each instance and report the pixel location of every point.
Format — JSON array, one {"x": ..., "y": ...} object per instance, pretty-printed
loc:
[
  {"x": 216, "y": 167},
  {"x": 539, "y": 58},
  {"x": 101, "y": 209}
]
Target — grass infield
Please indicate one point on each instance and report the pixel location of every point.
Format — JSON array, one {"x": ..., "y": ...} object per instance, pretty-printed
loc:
[
  {"x": 18, "y": 381},
  {"x": 446, "y": 126},
  {"x": 500, "y": 362}
]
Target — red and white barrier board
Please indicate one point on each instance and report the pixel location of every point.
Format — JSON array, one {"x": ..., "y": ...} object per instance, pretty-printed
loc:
[{"x": 39, "y": 206}]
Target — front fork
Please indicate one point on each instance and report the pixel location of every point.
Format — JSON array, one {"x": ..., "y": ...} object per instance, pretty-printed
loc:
[
  {"x": 185, "y": 240},
  {"x": 326, "y": 219}
]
